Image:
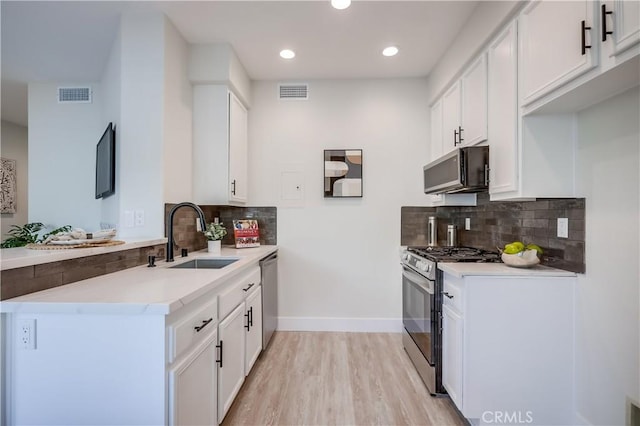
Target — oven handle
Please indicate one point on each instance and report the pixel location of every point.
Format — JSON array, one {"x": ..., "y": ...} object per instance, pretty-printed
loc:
[{"x": 418, "y": 280}]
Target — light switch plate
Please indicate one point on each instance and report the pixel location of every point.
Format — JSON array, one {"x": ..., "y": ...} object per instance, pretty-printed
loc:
[
  {"x": 467, "y": 224},
  {"x": 139, "y": 217},
  {"x": 563, "y": 227}
]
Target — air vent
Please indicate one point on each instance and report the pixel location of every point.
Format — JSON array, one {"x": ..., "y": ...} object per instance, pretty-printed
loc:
[
  {"x": 294, "y": 91},
  {"x": 74, "y": 95}
]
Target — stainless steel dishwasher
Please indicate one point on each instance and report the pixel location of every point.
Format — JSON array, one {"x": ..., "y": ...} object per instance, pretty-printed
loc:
[{"x": 269, "y": 270}]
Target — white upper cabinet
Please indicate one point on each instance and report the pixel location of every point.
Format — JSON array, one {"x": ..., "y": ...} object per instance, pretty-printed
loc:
[
  {"x": 558, "y": 42},
  {"x": 620, "y": 25},
  {"x": 503, "y": 111},
  {"x": 436, "y": 131},
  {"x": 451, "y": 117},
  {"x": 238, "y": 150},
  {"x": 474, "y": 103},
  {"x": 219, "y": 146}
]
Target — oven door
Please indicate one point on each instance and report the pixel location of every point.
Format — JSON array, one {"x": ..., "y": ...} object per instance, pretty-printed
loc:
[{"x": 418, "y": 313}]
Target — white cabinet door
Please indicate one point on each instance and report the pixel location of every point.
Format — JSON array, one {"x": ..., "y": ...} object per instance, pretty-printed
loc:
[
  {"x": 474, "y": 102},
  {"x": 253, "y": 318},
  {"x": 451, "y": 123},
  {"x": 192, "y": 387},
  {"x": 435, "y": 145},
  {"x": 503, "y": 112},
  {"x": 551, "y": 40},
  {"x": 626, "y": 24},
  {"x": 231, "y": 333},
  {"x": 452, "y": 361},
  {"x": 238, "y": 150}
]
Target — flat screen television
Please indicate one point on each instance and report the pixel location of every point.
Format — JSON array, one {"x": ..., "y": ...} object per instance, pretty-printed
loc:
[{"x": 106, "y": 163}]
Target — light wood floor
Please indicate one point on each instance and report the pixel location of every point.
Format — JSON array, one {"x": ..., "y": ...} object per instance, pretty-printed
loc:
[{"x": 319, "y": 378}]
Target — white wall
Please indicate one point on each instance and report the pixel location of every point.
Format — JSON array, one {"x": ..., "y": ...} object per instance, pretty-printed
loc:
[
  {"x": 111, "y": 86},
  {"x": 608, "y": 296},
  {"x": 141, "y": 129},
  {"x": 339, "y": 257},
  {"x": 14, "y": 147},
  {"x": 178, "y": 115},
  {"x": 62, "y": 144}
]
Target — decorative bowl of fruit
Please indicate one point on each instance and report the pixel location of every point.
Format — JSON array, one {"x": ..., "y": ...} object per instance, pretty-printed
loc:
[{"x": 518, "y": 255}]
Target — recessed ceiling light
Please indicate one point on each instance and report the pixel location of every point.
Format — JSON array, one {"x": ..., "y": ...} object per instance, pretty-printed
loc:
[
  {"x": 390, "y": 51},
  {"x": 341, "y": 4},
  {"x": 287, "y": 54}
]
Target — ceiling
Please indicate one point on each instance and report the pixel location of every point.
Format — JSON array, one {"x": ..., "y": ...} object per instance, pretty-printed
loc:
[{"x": 69, "y": 42}]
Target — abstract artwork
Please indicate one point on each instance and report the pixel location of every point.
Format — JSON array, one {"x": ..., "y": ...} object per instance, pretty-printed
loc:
[
  {"x": 7, "y": 186},
  {"x": 342, "y": 173}
]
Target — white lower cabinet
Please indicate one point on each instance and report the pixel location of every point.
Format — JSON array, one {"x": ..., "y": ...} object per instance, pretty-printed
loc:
[
  {"x": 192, "y": 387},
  {"x": 253, "y": 308},
  {"x": 508, "y": 347},
  {"x": 231, "y": 374}
]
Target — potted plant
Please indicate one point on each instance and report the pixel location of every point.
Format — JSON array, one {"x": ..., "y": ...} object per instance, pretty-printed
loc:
[{"x": 215, "y": 232}]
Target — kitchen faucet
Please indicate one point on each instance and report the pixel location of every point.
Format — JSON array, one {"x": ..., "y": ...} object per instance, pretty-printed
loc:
[{"x": 203, "y": 225}]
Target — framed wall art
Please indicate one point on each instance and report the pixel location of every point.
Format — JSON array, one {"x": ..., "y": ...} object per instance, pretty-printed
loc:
[
  {"x": 342, "y": 173},
  {"x": 7, "y": 185}
]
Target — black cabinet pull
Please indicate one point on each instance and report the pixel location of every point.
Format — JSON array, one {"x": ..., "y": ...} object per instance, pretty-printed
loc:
[
  {"x": 251, "y": 316},
  {"x": 219, "y": 361},
  {"x": 604, "y": 14},
  {"x": 247, "y": 289},
  {"x": 233, "y": 184},
  {"x": 447, "y": 294},
  {"x": 204, "y": 324},
  {"x": 248, "y": 326},
  {"x": 460, "y": 140},
  {"x": 585, "y": 46},
  {"x": 455, "y": 137}
]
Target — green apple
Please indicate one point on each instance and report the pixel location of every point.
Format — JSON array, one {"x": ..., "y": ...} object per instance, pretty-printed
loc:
[
  {"x": 512, "y": 248},
  {"x": 534, "y": 247},
  {"x": 518, "y": 244}
]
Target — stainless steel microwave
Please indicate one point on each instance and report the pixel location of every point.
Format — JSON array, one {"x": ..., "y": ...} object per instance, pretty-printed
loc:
[{"x": 462, "y": 170}]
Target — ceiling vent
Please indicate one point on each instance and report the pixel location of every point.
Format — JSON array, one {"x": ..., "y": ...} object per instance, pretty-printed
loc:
[
  {"x": 294, "y": 91},
  {"x": 75, "y": 95}
]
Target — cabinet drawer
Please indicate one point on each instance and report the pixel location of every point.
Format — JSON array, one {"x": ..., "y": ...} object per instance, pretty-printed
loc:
[
  {"x": 237, "y": 292},
  {"x": 193, "y": 328},
  {"x": 452, "y": 296}
]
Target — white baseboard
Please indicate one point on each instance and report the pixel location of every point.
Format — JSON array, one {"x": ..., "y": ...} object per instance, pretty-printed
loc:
[{"x": 362, "y": 325}]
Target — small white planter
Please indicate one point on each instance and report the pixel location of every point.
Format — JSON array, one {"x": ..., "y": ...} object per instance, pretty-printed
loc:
[{"x": 214, "y": 247}]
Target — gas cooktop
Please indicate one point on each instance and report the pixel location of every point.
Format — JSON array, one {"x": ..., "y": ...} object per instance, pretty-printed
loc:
[{"x": 455, "y": 254}]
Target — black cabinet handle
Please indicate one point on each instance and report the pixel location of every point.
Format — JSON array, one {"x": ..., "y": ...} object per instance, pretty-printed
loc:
[
  {"x": 233, "y": 184},
  {"x": 248, "y": 326},
  {"x": 219, "y": 361},
  {"x": 247, "y": 289},
  {"x": 460, "y": 140},
  {"x": 455, "y": 137},
  {"x": 204, "y": 324},
  {"x": 585, "y": 46},
  {"x": 604, "y": 14},
  {"x": 251, "y": 316},
  {"x": 447, "y": 294}
]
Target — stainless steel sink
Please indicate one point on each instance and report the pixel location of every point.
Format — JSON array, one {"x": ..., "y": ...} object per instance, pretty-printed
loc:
[{"x": 205, "y": 263}]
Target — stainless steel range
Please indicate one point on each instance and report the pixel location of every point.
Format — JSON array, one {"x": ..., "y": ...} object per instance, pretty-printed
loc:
[{"x": 422, "y": 305}]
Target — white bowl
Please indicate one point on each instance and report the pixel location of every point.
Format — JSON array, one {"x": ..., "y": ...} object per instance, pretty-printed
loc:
[{"x": 524, "y": 259}]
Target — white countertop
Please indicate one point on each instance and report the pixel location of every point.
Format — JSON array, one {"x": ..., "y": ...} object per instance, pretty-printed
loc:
[
  {"x": 19, "y": 257},
  {"x": 139, "y": 290},
  {"x": 464, "y": 269}
]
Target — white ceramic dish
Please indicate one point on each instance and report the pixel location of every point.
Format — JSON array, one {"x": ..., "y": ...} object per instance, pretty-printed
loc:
[{"x": 525, "y": 259}]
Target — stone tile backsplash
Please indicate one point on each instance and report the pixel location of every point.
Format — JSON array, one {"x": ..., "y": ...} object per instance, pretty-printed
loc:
[
  {"x": 186, "y": 235},
  {"x": 494, "y": 224}
]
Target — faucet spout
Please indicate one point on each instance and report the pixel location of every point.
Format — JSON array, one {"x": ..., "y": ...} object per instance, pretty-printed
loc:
[{"x": 203, "y": 225}]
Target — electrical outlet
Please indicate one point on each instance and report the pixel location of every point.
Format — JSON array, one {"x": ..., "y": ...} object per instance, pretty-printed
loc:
[
  {"x": 27, "y": 334},
  {"x": 139, "y": 217},
  {"x": 198, "y": 226},
  {"x": 467, "y": 224},
  {"x": 563, "y": 227}
]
